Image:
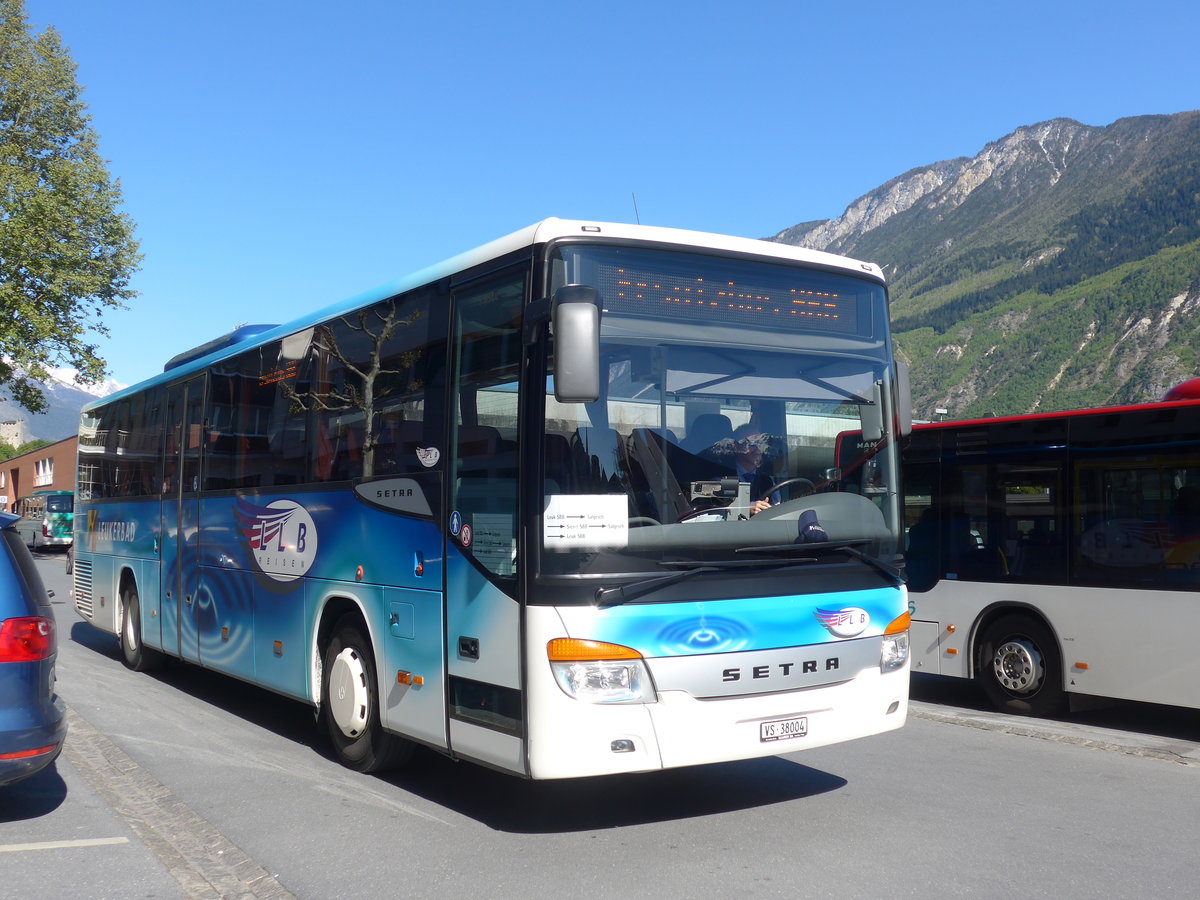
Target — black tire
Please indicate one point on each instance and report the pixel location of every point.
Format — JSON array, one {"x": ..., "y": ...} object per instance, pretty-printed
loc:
[
  {"x": 136, "y": 655},
  {"x": 1020, "y": 667},
  {"x": 350, "y": 703}
]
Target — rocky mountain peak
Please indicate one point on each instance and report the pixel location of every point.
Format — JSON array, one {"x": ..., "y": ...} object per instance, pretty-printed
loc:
[
  {"x": 1059, "y": 267},
  {"x": 1045, "y": 148},
  {"x": 875, "y": 208}
]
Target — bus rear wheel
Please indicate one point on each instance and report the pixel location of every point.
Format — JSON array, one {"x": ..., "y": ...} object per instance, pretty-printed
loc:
[
  {"x": 1020, "y": 667},
  {"x": 136, "y": 655},
  {"x": 350, "y": 704}
]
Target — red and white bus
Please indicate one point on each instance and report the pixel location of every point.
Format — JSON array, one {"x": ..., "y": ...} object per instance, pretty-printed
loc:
[{"x": 1057, "y": 554}]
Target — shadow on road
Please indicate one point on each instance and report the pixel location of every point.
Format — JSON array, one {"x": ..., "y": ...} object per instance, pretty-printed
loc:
[
  {"x": 34, "y": 797},
  {"x": 93, "y": 638},
  {"x": 506, "y": 803},
  {"x": 1151, "y": 719}
]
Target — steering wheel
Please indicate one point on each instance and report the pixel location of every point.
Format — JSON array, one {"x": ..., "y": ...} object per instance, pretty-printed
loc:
[
  {"x": 812, "y": 488},
  {"x": 635, "y": 521}
]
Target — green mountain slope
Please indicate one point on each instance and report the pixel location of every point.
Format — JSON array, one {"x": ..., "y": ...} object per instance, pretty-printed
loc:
[{"x": 1059, "y": 268}]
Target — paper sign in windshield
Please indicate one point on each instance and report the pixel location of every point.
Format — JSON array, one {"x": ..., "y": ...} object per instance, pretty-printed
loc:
[{"x": 573, "y": 521}]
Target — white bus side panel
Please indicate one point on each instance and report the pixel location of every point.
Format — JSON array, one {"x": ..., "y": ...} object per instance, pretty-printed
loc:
[{"x": 1112, "y": 631}]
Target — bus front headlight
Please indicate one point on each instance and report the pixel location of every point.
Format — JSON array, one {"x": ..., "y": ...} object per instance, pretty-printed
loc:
[
  {"x": 893, "y": 651},
  {"x": 598, "y": 672}
]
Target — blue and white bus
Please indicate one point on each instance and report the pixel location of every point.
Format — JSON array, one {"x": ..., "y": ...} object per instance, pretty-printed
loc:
[{"x": 494, "y": 509}]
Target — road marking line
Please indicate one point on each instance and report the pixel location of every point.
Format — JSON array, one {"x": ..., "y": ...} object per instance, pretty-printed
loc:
[{"x": 62, "y": 845}]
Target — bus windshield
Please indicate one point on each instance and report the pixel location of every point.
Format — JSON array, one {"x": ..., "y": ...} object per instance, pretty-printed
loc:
[
  {"x": 709, "y": 445},
  {"x": 60, "y": 503}
]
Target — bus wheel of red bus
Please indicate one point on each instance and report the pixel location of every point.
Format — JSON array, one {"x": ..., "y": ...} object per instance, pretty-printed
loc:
[
  {"x": 1021, "y": 667},
  {"x": 350, "y": 704},
  {"x": 134, "y": 653}
]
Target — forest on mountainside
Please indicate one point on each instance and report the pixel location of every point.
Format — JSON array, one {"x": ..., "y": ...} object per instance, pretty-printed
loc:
[{"x": 1059, "y": 268}]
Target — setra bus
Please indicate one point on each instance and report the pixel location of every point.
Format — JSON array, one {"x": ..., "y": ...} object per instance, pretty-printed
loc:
[
  {"x": 1058, "y": 554},
  {"x": 494, "y": 508}
]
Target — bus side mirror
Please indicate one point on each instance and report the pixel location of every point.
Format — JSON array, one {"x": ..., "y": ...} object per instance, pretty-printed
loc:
[
  {"x": 904, "y": 417},
  {"x": 575, "y": 320}
]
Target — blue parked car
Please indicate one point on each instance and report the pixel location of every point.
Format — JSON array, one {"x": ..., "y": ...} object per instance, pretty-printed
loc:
[{"x": 33, "y": 720}]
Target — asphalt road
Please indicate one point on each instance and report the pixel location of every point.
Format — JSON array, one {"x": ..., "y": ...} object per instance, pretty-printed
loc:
[{"x": 189, "y": 784}]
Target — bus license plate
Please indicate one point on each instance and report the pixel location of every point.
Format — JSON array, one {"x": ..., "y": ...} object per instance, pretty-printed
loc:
[{"x": 783, "y": 729}]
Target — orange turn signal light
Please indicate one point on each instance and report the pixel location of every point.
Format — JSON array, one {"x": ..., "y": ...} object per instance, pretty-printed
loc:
[
  {"x": 575, "y": 650},
  {"x": 901, "y": 623}
]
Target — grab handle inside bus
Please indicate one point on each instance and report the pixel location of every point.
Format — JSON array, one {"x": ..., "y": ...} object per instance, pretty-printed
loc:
[
  {"x": 904, "y": 413},
  {"x": 871, "y": 415},
  {"x": 576, "y": 323}
]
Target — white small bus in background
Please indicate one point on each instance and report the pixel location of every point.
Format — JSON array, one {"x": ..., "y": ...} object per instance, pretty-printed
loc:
[{"x": 46, "y": 519}]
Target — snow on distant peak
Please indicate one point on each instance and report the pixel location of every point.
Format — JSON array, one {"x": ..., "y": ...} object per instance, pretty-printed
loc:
[{"x": 66, "y": 378}]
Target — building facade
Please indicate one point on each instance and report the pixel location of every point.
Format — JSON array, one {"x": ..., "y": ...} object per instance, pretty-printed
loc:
[{"x": 49, "y": 468}]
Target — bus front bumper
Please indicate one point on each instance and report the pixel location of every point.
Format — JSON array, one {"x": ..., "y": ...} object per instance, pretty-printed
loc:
[{"x": 576, "y": 739}]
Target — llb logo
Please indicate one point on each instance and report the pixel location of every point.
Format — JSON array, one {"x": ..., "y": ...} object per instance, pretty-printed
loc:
[
  {"x": 281, "y": 537},
  {"x": 848, "y": 622}
]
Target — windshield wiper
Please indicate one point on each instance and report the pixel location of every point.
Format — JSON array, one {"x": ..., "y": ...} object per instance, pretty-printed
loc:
[
  {"x": 850, "y": 547},
  {"x": 615, "y": 596}
]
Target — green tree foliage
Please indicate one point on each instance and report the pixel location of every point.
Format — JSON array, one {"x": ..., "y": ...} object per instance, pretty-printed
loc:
[
  {"x": 8, "y": 451},
  {"x": 66, "y": 251}
]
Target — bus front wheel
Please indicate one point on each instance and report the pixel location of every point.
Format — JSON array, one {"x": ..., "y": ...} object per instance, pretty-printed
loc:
[
  {"x": 1020, "y": 667},
  {"x": 350, "y": 704},
  {"x": 136, "y": 655}
]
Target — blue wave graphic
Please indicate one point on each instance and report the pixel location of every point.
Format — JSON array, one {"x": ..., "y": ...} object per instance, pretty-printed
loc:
[{"x": 704, "y": 634}]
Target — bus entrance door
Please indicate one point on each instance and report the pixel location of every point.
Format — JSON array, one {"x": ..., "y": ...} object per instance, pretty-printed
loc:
[{"x": 180, "y": 515}]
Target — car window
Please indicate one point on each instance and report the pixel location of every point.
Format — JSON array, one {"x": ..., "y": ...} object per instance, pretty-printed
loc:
[{"x": 17, "y": 557}]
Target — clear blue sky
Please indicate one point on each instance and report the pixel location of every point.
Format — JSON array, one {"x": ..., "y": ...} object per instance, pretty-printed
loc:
[{"x": 280, "y": 155}]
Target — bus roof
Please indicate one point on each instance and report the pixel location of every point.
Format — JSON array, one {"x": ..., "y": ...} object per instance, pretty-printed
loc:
[
  {"x": 230, "y": 344},
  {"x": 1167, "y": 403}
]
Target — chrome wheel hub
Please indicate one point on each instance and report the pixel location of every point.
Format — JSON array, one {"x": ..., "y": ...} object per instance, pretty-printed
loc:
[{"x": 1018, "y": 666}]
